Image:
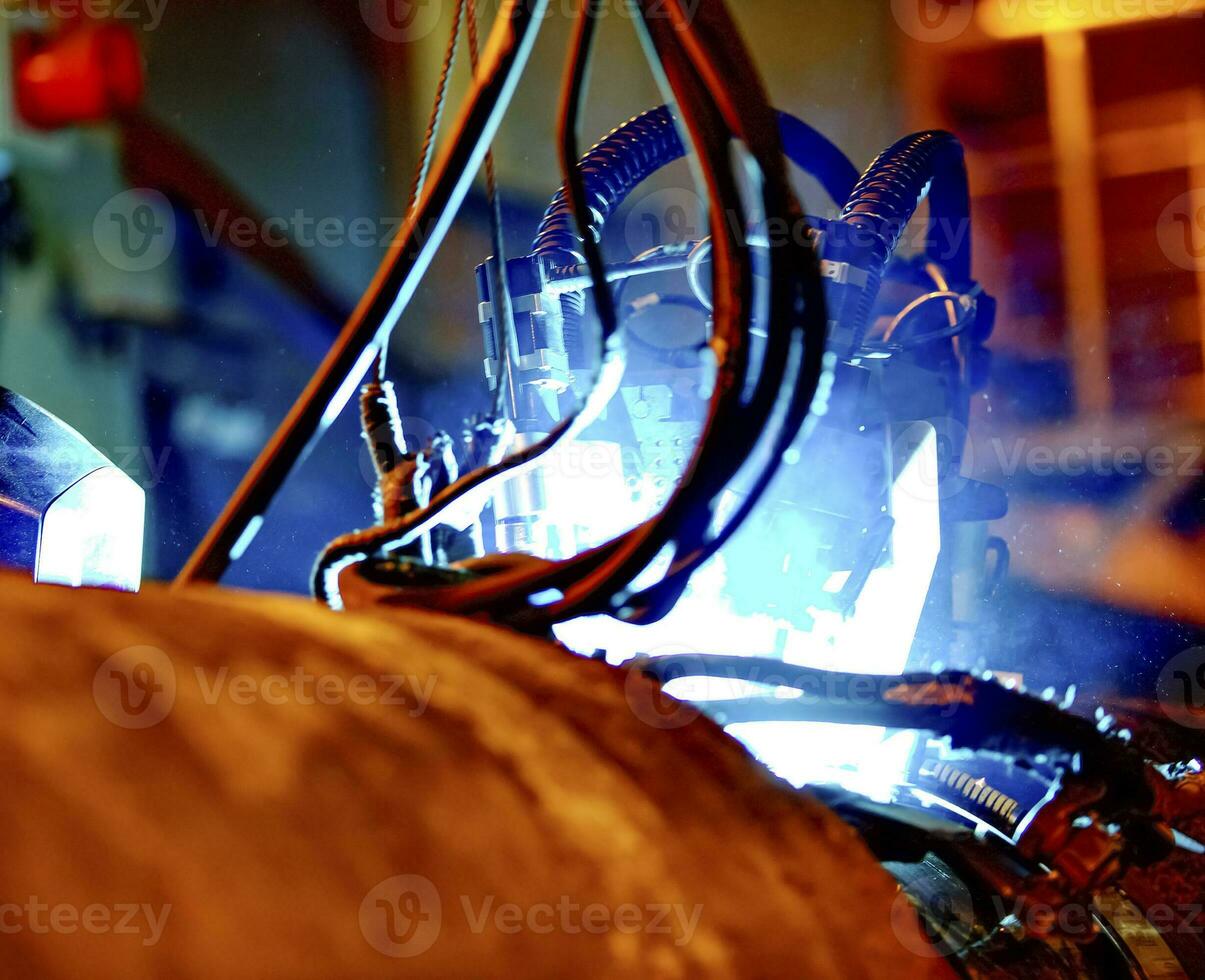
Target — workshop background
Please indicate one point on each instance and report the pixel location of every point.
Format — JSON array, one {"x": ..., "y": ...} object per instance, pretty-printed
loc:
[{"x": 1085, "y": 135}]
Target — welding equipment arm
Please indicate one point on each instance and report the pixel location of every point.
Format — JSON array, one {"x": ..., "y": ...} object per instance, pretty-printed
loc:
[
  {"x": 733, "y": 104},
  {"x": 706, "y": 45}
]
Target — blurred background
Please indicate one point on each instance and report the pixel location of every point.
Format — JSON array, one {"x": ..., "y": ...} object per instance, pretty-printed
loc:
[{"x": 138, "y": 305}]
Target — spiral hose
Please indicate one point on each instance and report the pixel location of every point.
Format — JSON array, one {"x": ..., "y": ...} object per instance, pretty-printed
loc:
[
  {"x": 885, "y": 199},
  {"x": 632, "y": 153}
]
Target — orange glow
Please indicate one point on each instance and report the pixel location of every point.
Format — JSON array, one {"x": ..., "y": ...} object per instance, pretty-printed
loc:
[{"x": 1027, "y": 18}]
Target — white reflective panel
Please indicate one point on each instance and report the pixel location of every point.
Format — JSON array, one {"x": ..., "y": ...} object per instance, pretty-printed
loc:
[
  {"x": 876, "y": 639},
  {"x": 92, "y": 534}
]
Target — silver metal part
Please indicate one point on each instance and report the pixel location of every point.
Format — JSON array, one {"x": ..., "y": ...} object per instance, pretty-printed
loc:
[{"x": 519, "y": 506}]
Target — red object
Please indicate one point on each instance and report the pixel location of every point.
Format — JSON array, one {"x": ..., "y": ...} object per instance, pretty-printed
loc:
[{"x": 81, "y": 74}]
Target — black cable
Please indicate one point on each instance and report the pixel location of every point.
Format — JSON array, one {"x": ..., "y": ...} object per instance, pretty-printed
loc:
[
  {"x": 385, "y": 299},
  {"x": 885, "y": 199},
  {"x": 712, "y": 117},
  {"x": 699, "y": 98},
  {"x": 633, "y": 152},
  {"x": 809, "y": 384},
  {"x": 511, "y": 589},
  {"x": 573, "y": 95},
  {"x": 974, "y": 713},
  {"x": 709, "y": 41},
  {"x": 396, "y": 533}
]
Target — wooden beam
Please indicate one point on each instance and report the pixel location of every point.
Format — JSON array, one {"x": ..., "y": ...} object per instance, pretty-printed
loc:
[{"x": 1069, "y": 93}]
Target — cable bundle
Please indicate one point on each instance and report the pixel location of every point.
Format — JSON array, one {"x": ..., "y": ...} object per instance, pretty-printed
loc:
[{"x": 757, "y": 401}]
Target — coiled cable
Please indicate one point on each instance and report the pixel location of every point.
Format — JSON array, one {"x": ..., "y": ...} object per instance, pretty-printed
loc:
[
  {"x": 629, "y": 155},
  {"x": 884, "y": 201}
]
